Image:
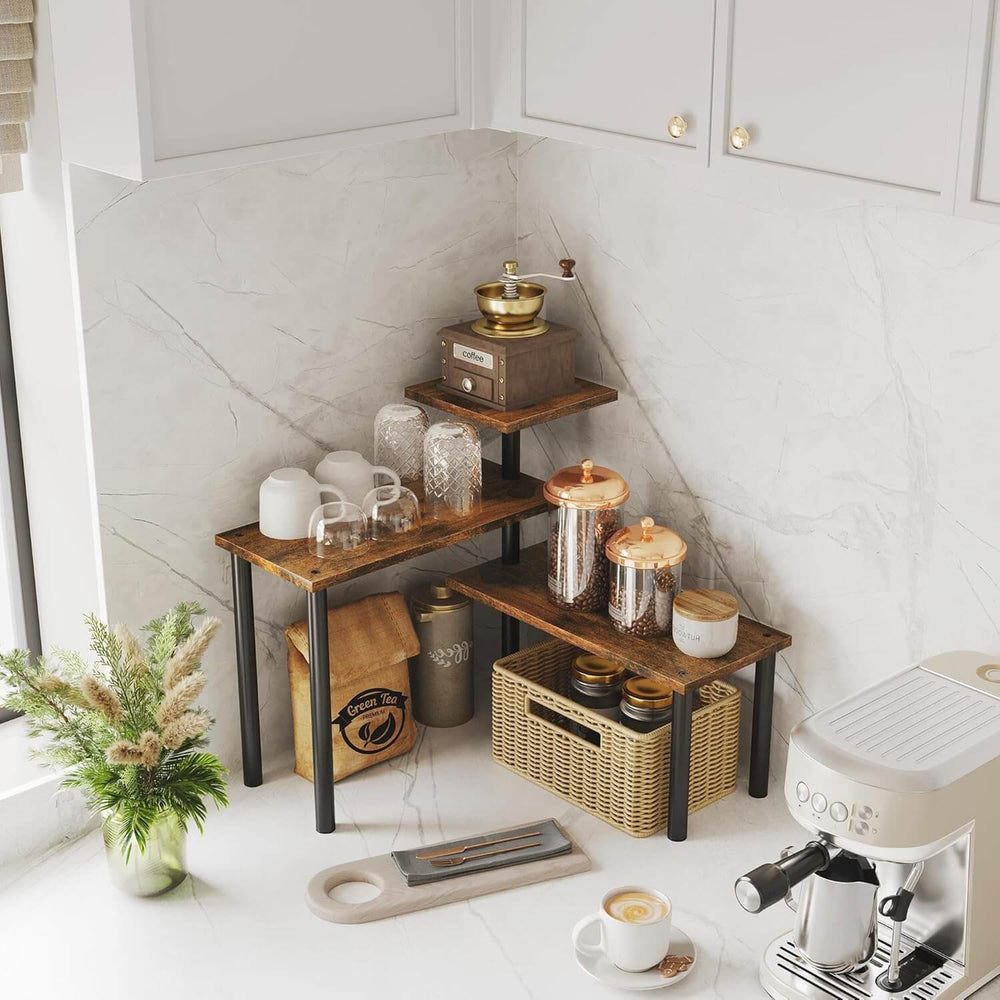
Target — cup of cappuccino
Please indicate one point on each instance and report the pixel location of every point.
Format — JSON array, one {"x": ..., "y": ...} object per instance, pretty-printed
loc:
[{"x": 635, "y": 928}]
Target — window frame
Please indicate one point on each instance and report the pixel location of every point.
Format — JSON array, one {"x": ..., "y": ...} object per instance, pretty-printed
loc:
[{"x": 13, "y": 496}]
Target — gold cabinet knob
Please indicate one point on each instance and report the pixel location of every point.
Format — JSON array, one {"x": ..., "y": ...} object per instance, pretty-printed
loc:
[
  {"x": 739, "y": 137},
  {"x": 677, "y": 126}
]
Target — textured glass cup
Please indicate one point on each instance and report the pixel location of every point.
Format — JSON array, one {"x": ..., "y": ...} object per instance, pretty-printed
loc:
[
  {"x": 336, "y": 527},
  {"x": 453, "y": 469},
  {"x": 156, "y": 870},
  {"x": 391, "y": 510},
  {"x": 399, "y": 440}
]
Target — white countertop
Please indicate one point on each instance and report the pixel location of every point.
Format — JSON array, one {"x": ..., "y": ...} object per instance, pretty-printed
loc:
[{"x": 239, "y": 927}]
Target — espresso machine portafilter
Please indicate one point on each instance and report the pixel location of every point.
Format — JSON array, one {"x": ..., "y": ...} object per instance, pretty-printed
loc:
[
  {"x": 772, "y": 882},
  {"x": 897, "y": 786}
]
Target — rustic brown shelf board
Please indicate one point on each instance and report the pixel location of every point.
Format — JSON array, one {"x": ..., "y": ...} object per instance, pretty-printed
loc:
[
  {"x": 584, "y": 397},
  {"x": 522, "y": 592},
  {"x": 504, "y": 501}
]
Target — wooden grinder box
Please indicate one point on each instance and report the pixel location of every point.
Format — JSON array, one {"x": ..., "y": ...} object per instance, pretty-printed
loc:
[
  {"x": 371, "y": 641},
  {"x": 506, "y": 373}
]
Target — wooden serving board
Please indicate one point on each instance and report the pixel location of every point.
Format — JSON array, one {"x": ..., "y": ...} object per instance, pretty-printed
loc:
[{"x": 397, "y": 898}]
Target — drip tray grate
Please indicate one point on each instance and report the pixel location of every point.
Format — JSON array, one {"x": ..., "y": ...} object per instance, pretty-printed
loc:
[{"x": 786, "y": 971}]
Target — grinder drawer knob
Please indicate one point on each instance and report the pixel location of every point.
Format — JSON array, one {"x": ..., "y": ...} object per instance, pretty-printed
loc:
[{"x": 467, "y": 384}]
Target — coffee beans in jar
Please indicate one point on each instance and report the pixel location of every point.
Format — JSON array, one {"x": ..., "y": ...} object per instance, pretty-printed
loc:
[
  {"x": 578, "y": 567},
  {"x": 646, "y": 704},
  {"x": 645, "y": 575},
  {"x": 587, "y": 499}
]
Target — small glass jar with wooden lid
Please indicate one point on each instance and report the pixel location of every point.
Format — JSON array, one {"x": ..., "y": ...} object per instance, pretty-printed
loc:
[
  {"x": 645, "y": 574},
  {"x": 596, "y": 683},
  {"x": 587, "y": 500},
  {"x": 646, "y": 704},
  {"x": 706, "y": 622}
]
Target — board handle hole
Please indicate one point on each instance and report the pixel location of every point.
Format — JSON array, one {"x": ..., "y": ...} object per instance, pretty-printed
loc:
[{"x": 355, "y": 891}]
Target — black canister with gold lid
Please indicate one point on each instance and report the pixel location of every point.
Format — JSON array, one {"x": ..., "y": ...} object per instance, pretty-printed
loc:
[
  {"x": 646, "y": 704},
  {"x": 596, "y": 683}
]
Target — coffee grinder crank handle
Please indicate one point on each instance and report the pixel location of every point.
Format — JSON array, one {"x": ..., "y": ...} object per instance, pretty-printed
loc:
[{"x": 510, "y": 277}]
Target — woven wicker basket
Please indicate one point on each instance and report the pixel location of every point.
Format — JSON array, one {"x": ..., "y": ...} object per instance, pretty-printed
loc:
[{"x": 625, "y": 779}]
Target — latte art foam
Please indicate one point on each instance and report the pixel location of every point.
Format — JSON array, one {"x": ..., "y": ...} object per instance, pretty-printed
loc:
[{"x": 637, "y": 908}]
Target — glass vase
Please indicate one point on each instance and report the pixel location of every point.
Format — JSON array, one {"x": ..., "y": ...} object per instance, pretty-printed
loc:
[{"x": 158, "y": 869}]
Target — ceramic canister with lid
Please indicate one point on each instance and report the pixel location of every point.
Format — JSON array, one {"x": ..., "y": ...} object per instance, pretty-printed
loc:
[
  {"x": 441, "y": 674},
  {"x": 588, "y": 500},
  {"x": 596, "y": 683},
  {"x": 644, "y": 576},
  {"x": 706, "y": 622},
  {"x": 646, "y": 704}
]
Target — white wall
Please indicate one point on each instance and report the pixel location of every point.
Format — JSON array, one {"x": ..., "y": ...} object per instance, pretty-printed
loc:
[
  {"x": 243, "y": 320},
  {"x": 808, "y": 395}
]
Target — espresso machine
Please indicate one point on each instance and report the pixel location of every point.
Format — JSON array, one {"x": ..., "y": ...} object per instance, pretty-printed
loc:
[{"x": 899, "y": 889}]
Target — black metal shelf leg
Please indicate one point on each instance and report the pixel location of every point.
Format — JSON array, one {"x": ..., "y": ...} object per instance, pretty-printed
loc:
[
  {"x": 510, "y": 552},
  {"x": 760, "y": 734},
  {"x": 246, "y": 672},
  {"x": 680, "y": 766},
  {"x": 322, "y": 718}
]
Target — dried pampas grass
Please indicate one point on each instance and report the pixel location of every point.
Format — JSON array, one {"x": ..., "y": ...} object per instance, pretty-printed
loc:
[
  {"x": 133, "y": 657},
  {"x": 51, "y": 684},
  {"x": 188, "y": 655},
  {"x": 179, "y": 698},
  {"x": 145, "y": 753},
  {"x": 188, "y": 727},
  {"x": 150, "y": 745},
  {"x": 124, "y": 752},
  {"x": 100, "y": 697}
]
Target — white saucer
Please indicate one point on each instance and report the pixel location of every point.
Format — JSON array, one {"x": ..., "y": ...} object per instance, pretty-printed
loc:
[{"x": 604, "y": 971}]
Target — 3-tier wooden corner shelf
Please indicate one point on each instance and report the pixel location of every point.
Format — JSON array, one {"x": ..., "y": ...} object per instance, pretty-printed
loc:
[{"x": 514, "y": 587}]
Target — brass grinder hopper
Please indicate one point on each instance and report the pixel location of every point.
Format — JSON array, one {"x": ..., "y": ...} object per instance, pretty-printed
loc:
[{"x": 510, "y": 306}]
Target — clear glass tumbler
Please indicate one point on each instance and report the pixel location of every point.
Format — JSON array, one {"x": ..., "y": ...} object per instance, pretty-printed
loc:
[
  {"x": 453, "y": 469},
  {"x": 391, "y": 510},
  {"x": 337, "y": 527},
  {"x": 399, "y": 440}
]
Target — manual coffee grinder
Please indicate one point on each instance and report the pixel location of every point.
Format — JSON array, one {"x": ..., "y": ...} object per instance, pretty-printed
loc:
[{"x": 510, "y": 357}]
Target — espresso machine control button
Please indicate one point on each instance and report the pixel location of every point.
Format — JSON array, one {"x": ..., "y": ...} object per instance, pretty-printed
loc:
[
  {"x": 467, "y": 384},
  {"x": 802, "y": 792},
  {"x": 865, "y": 812},
  {"x": 819, "y": 802},
  {"x": 861, "y": 828},
  {"x": 838, "y": 812}
]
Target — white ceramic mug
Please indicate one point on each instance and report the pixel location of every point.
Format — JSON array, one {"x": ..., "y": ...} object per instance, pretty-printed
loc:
[
  {"x": 287, "y": 499},
  {"x": 633, "y": 947},
  {"x": 352, "y": 473}
]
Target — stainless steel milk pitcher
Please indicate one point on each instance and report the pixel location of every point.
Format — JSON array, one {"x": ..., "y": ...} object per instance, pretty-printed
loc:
[
  {"x": 836, "y": 923},
  {"x": 836, "y": 926}
]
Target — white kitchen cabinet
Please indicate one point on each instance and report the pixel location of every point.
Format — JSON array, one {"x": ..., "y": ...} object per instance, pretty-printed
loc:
[
  {"x": 615, "y": 74},
  {"x": 867, "y": 93},
  {"x": 149, "y": 88},
  {"x": 978, "y": 195}
]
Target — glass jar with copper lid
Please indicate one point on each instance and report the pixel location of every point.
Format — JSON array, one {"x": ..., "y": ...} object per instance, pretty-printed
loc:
[
  {"x": 645, "y": 574},
  {"x": 646, "y": 704},
  {"x": 596, "y": 683},
  {"x": 588, "y": 500}
]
